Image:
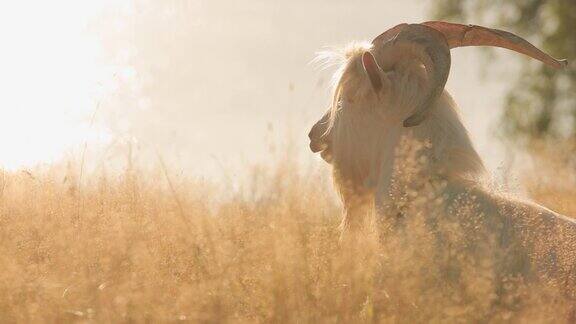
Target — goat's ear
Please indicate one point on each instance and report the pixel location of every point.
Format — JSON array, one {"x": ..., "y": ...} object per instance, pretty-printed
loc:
[{"x": 372, "y": 70}]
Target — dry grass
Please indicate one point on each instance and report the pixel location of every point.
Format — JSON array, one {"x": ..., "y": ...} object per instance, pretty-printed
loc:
[{"x": 136, "y": 248}]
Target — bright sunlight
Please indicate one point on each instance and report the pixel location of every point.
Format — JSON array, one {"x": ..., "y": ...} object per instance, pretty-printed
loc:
[{"x": 53, "y": 78}]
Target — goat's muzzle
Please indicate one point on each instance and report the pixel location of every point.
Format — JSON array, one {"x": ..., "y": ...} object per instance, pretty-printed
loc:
[{"x": 317, "y": 141}]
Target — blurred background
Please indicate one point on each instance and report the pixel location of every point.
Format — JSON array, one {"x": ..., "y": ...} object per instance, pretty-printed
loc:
[{"x": 213, "y": 86}]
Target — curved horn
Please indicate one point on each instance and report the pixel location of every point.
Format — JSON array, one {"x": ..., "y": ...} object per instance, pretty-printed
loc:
[
  {"x": 458, "y": 35},
  {"x": 454, "y": 35},
  {"x": 435, "y": 57}
]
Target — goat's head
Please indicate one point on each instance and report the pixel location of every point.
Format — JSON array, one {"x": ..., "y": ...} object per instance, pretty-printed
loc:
[{"x": 411, "y": 58}]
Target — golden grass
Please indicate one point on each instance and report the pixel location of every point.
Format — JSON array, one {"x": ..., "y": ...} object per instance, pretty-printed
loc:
[{"x": 137, "y": 248}]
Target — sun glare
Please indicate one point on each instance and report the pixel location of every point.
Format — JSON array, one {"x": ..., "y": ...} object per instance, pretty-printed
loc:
[{"x": 52, "y": 79}]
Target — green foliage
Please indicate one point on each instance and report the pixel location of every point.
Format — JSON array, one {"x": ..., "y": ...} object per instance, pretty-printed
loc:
[{"x": 542, "y": 102}]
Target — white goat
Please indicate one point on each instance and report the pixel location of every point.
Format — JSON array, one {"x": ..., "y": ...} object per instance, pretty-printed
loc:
[{"x": 393, "y": 88}]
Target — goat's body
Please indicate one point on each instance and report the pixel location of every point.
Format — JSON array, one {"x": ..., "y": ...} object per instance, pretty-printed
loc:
[
  {"x": 522, "y": 238},
  {"x": 525, "y": 239}
]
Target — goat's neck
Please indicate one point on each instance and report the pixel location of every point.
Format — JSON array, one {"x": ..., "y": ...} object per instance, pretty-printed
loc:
[{"x": 448, "y": 152}]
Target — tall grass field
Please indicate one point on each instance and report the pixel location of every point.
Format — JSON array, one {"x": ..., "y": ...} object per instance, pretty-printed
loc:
[{"x": 150, "y": 246}]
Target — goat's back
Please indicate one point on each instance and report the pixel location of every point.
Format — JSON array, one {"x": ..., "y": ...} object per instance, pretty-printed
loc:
[{"x": 525, "y": 239}]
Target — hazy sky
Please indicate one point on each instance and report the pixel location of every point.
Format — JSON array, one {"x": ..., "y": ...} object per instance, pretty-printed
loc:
[{"x": 207, "y": 84}]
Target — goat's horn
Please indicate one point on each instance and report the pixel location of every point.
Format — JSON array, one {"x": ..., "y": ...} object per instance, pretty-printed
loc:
[
  {"x": 458, "y": 35},
  {"x": 389, "y": 34},
  {"x": 454, "y": 35},
  {"x": 436, "y": 59}
]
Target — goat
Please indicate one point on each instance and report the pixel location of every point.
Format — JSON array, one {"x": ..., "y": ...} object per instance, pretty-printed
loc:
[{"x": 392, "y": 89}]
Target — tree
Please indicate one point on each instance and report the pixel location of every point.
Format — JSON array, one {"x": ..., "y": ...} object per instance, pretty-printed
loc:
[{"x": 542, "y": 102}]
